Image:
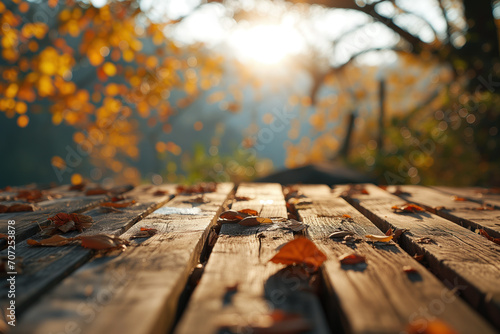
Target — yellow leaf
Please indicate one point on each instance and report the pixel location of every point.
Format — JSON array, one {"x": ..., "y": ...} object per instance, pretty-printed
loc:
[{"x": 381, "y": 238}]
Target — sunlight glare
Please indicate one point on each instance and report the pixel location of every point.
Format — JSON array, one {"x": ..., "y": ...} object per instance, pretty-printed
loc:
[{"x": 267, "y": 44}]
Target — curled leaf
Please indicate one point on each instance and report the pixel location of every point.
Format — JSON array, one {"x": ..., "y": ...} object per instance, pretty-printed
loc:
[
  {"x": 65, "y": 222},
  {"x": 379, "y": 238},
  {"x": 300, "y": 251},
  {"x": 254, "y": 221},
  {"x": 232, "y": 216},
  {"x": 410, "y": 270},
  {"x": 352, "y": 258},
  {"x": 459, "y": 199},
  {"x": 340, "y": 234}
]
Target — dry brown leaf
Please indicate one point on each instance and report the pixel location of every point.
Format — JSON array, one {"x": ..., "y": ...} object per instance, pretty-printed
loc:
[
  {"x": 249, "y": 212},
  {"x": 243, "y": 198},
  {"x": 96, "y": 191},
  {"x": 62, "y": 222},
  {"x": 18, "y": 207},
  {"x": 54, "y": 241},
  {"x": 30, "y": 195},
  {"x": 102, "y": 241},
  {"x": 408, "y": 207},
  {"x": 254, "y": 221},
  {"x": 352, "y": 258},
  {"x": 160, "y": 193},
  {"x": 340, "y": 234},
  {"x": 232, "y": 216},
  {"x": 300, "y": 251},
  {"x": 144, "y": 232},
  {"x": 459, "y": 199},
  {"x": 3, "y": 236}
]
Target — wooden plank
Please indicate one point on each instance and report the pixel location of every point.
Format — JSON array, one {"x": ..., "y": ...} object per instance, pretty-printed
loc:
[
  {"x": 241, "y": 258},
  {"x": 459, "y": 257},
  {"x": 462, "y": 213},
  {"x": 478, "y": 194},
  {"x": 137, "y": 291},
  {"x": 381, "y": 298},
  {"x": 28, "y": 223},
  {"x": 44, "y": 267}
]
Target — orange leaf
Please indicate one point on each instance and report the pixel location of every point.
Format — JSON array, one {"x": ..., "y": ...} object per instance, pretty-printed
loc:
[
  {"x": 300, "y": 251},
  {"x": 54, "y": 241},
  {"x": 459, "y": 199},
  {"x": 117, "y": 205},
  {"x": 346, "y": 216},
  {"x": 254, "y": 221},
  {"x": 379, "y": 238},
  {"x": 435, "y": 326},
  {"x": 102, "y": 241},
  {"x": 352, "y": 258},
  {"x": 96, "y": 191},
  {"x": 3, "y": 236},
  {"x": 408, "y": 207},
  {"x": 232, "y": 215},
  {"x": 62, "y": 221},
  {"x": 249, "y": 212}
]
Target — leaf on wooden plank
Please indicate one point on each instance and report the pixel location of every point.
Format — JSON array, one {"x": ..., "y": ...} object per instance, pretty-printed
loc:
[
  {"x": 232, "y": 216},
  {"x": 408, "y": 207},
  {"x": 243, "y": 198},
  {"x": 346, "y": 216},
  {"x": 340, "y": 234},
  {"x": 249, "y": 212},
  {"x": 96, "y": 191},
  {"x": 389, "y": 231},
  {"x": 459, "y": 199},
  {"x": 77, "y": 187},
  {"x": 379, "y": 238},
  {"x": 62, "y": 222},
  {"x": 30, "y": 195},
  {"x": 254, "y": 221},
  {"x": 418, "y": 257},
  {"x": 198, "y": 199},
  {"x": 18, "y": 207},
  {"x": 102, "y": 241},
  {"x": 487, "y": 236},
  {"x": 300, "y": 251},
  {"x": 117, "y": 205},
  {"x": 144, "y": 232},
  {"x": 160, "y": 193},
  {"x": 352, "y": 258},
  {"x": 197, "y": 189},
  {"x": 3, "y": 236},
  {"x": 435, "y": 326},
  {"x": 54, "y": 241},
  {"x": 295, "y": 225},
  {"x": 410, "y": 270},
  {"x": 425, "y": 240},
  {"x": 484, "y": 208}
]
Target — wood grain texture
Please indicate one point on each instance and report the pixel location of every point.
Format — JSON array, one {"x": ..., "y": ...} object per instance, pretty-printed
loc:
[
  {"x": 459, "y": 257},
  {"x": 136, "y": 291},
  {"x": 44, "y": 267},
  {"x": 460, "y": 212},
  {"x": 28, "y": 223},
  {"x": 378, "y": 297},
  {"x": 478, "y": 194},
  {"x": 241, "y": 258}
]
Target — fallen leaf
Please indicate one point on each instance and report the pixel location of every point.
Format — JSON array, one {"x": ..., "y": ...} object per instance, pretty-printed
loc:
[
  {"x": 295, "y": 225},
  {"x": 346, "y": 216},
  {"x": 459, "y": 199},
  {"x": 352, "y": 258},
  {"x": 398, "y": 232},
  {"x": 18, "y": 207},
  {"x": 410, "y": 270},
  {"x": 435, "y": 326},
  {"x": 389, "y": 232},
  {"x": 379, "y": 238},
  {"x": 232, "y": 216},
  {"x": 249, "y": 212},
  {"x": 60, "y": 221},
  {"x": 96, "y": 191},
  {"x": 425, "y": 240},
  {"x": 54, "y": 241},
  {"x": 30, "y": 195},
  {"x": 102, "y": 241},
  {"x": 484, "y": 208},
  {"x": 144, "y": 232},
  {"x": 243, "y": 198},
  {"x": 3, "y": 236},
  {"x": 254, "y": 221},
  {"x": 117, "y": 205},
  {"x": 418, "y": 257},
  {"x": 408, "y": 207},
  {"x": 160, "y": 193},
  {"x": 77, "y": 187},
  {"x": 197, "y": 189},
  {"x": 300, "y": 251},
  {"x": 340, "y": 234}
]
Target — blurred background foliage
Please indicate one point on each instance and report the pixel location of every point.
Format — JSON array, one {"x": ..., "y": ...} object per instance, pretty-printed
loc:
[{"x": 167, "y": 91}]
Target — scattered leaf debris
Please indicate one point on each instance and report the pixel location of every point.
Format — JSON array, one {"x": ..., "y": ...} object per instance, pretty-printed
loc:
[
  {"x": 459, "y": 199},
  {"x": 254, "y": 221},
  {"x": 96, "y": 191},
  {"x": 18, "y": 207},
  {"x": 379, "y": 238},
  {"x": 487, "y": 236},
  {"x": 144, "y": 232}
]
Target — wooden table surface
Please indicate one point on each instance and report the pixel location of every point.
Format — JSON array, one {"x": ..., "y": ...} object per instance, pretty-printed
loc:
[{"x": 198, "y": 275}]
